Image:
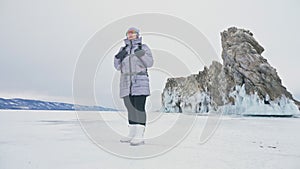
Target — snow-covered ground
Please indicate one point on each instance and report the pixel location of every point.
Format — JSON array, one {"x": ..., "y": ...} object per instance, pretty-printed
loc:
[{"x": 55, "y": 139}]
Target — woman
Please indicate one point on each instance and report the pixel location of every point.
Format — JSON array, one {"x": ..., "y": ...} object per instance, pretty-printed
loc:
[{"x": 133, "y": 60}]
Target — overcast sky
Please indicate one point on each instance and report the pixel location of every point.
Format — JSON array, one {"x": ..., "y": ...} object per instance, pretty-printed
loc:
[{"x": 41, "y": 40}]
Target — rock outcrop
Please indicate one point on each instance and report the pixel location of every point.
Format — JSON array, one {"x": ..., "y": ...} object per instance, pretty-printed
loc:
[{"x": 244, "y": 83}]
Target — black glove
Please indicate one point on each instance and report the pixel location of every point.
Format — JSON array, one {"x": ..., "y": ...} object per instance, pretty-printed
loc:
[
  {"x": 139, "y": 52},
  {"x": 122, "y": 54}
]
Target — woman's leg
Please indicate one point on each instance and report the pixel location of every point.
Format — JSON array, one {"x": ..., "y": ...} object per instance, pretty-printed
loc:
[
  {"x": 139, "y": 102},
  {"x": 128, "y": 101},
  {"x": 135, "y": 105},
  {"x": 131, "y": 113}
]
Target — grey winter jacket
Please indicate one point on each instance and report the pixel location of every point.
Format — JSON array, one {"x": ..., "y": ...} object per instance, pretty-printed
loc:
[{"x": 130, "y": 66}]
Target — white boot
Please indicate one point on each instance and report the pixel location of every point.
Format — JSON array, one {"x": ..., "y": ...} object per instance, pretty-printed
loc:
[
  {"x": 131, "y": 134},
  {"x": 138, "y": 139}
]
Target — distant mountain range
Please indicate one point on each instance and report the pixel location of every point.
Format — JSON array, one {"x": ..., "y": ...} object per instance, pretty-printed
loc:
[{"x": 28, "y": 104}]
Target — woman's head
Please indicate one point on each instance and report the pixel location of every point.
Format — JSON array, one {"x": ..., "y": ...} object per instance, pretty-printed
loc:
[{"x": 132, "y": 33}]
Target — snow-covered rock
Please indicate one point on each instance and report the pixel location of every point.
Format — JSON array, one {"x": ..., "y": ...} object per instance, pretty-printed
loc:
[{"x": 244, "y": 84}]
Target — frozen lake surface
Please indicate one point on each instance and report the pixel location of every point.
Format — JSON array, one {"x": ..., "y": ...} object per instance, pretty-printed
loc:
[{"x": 55, "y": 139}]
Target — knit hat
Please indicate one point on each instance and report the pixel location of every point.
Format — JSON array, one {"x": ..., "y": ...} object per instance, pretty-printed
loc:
[{"x": 134, "y": 29}]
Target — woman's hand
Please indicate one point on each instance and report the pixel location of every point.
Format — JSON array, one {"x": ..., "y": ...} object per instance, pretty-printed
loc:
[
  {"x": 121, "y": 55},
  {"x": 139, "y": 52}
]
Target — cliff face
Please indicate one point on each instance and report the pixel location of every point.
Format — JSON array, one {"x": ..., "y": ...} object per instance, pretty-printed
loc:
[{"x": 245, "y": 83}]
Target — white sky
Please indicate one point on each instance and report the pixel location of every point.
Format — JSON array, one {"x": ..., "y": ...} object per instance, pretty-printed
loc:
[{"x": 41, "y": 40}]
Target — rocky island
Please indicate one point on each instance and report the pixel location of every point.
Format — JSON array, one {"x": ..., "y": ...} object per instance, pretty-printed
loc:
[{"x": 244, "y": 84}]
